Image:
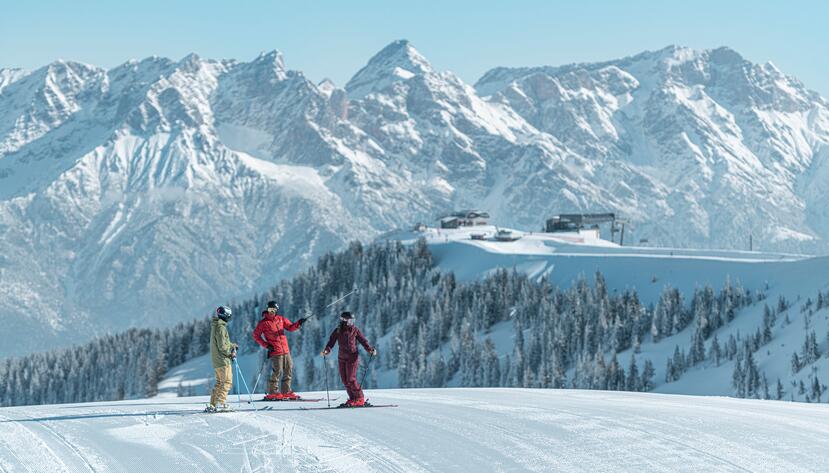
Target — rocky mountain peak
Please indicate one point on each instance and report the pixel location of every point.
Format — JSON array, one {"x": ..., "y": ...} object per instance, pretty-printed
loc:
[
  {"x": 273, "y": 62},
  {"x": 397, "y": 61}
]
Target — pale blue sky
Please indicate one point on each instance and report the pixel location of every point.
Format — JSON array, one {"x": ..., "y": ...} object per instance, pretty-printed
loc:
[{"x": 335, "y": 38}]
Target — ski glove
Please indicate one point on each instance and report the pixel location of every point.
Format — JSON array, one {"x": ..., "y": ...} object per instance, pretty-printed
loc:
[
  {"x": 373, "y": 352},
  {"x": 325, "y": 352},
  {"x": 301, "y": 321}
]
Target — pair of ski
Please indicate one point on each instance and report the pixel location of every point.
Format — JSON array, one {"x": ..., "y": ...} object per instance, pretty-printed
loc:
[
  {"x": 302, "y": 399},
  {"x": 344, "y": 407},
  {"x": 270, "y": 408},
  {"x": 323, "y": 399},
  {"x": 333, "y": 407}
]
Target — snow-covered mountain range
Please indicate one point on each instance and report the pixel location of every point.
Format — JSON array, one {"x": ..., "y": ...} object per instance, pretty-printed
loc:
[{"x": 147, "y": 193}]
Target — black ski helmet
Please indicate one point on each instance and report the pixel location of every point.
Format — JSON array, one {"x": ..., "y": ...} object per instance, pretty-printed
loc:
[
  {"x": 224, "y": 313},
  {"x": 347, "y": 317},
  {"x": 273, "y": 305}
]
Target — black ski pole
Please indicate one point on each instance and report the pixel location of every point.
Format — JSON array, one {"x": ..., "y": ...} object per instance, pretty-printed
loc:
[
  {"x": 329, "y": 305},
  {"x": 264, "y": 359},
  {"x": 368, "y": 365},
  {"x": 325, "y": 375}
]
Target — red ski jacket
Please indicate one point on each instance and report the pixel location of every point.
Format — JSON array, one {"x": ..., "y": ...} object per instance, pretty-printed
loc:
[
  {"x": 271, "y": 331},
  {"x": 347, "y": 336}
]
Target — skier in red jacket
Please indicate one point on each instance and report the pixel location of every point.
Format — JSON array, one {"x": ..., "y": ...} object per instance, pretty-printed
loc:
[
  {"x": 347, "y": 335},
  {"x": 270, "y": 334}
]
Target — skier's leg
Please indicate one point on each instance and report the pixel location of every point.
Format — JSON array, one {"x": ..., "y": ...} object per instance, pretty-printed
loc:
[
  {"x": 350, "y": 379},
  {"x": 214, "y": 394},
  {"x": 287, "y": 368},
  {"x": 229, "y": 382},
  {"x": 276, "y": 369},
  {"x": 224, "y": 384},
  {"x": 358, "y": 388},
  {"x": 343, "y": 367}
]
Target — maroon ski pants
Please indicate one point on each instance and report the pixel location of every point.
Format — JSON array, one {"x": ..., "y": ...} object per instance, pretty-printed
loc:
[{"x": 348, "y": 373}]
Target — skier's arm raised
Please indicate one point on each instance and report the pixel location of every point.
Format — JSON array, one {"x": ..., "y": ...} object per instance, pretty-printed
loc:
[{"x": 291, "y": 326}]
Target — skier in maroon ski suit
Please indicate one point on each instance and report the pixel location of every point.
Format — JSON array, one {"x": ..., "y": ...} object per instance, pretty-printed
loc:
[{"x": 347, "y": 335}]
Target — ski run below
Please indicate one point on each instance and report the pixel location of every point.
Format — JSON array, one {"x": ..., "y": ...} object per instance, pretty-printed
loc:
[{"x": 431, "y": 430}]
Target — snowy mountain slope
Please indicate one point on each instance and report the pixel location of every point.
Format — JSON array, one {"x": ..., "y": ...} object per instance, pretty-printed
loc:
[
  {"x": 7, "y": 76},
  {"x": 567, "y": 257},
  {"x": 189, "y": 182},
  {"x": 564, "y": 258},
  {"x": 432, "y": 430},
  {"x": 729, "y": 145},
  {"x": 465, "y": 151},
  {"x": 159, "y": 210}
]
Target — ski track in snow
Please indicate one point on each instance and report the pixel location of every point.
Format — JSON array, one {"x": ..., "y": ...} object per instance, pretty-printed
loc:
[
  {"x": 432, "y": 430},
  {"x": 59, "y": 456}
]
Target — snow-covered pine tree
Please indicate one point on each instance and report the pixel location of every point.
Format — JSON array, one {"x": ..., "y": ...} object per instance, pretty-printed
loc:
[
  {"x": 715, "y": 351},
  {"x": 633, "y": 381},
  {"x": 697, "y": 349},
  {"x": 810, "y": 351},
  {"x": 768, "y": 324},
  {"x": 738, "y": 377},
  {"x": 648, "y": 372}
]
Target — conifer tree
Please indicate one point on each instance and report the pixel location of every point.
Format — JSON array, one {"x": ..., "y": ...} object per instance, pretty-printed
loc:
[{"x": 647, "y": 376}]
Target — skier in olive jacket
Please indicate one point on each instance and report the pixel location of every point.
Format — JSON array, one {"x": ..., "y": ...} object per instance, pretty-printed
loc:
[
  {"x": 270, "y": 334},
  {"x": 222, "y": 353},
  {"x": 347, "y": 335}
]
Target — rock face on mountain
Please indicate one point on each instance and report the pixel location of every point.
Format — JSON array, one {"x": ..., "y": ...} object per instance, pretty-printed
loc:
[
  {"x": 148, "y": 193},
  {"x": 732, "y": 148}
]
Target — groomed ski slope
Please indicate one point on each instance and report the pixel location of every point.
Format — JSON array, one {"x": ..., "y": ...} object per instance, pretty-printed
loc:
[
  {"x": 566, "y": 257},
  {"x": 458, "y": 430}
]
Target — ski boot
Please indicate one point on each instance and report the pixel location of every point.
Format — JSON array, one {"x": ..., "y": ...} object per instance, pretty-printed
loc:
[
  {"x": 290, "y": 396},
  {"x": 353, "y": 403},
  {"x": 224, "y": 408},
  {"x": 210, "y": 409},
  {"x": 273, "y": 397}
]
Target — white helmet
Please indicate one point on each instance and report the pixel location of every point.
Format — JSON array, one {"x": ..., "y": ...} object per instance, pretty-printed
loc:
[{"x": 224, "y": 313}]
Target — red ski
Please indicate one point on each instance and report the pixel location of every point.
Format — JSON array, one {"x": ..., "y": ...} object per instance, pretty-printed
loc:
[
  {"x": 367, "y": 406},
  {"x": 302, "y": 399}
]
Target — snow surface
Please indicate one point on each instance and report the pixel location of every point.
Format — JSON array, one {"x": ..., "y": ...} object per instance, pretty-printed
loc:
[{"x": 431, "y": 430}]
